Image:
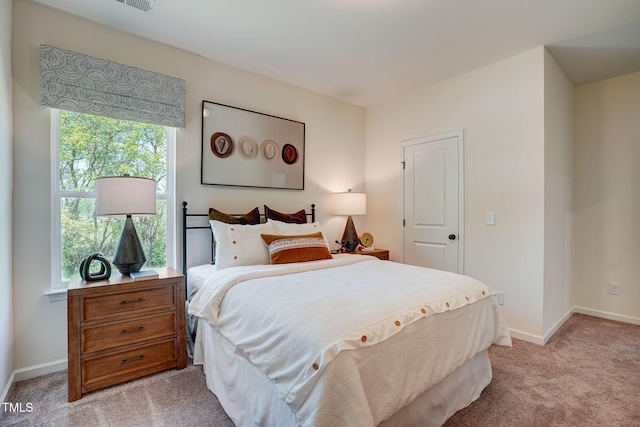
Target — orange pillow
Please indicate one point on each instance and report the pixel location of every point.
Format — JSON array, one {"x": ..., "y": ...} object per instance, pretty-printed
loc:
[{"x": 301, "y": 248}]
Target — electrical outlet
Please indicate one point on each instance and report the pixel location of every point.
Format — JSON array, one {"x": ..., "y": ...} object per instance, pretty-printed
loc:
[
  {"x": 500, "y": 297},
  {"x": 614, "y": 288}
]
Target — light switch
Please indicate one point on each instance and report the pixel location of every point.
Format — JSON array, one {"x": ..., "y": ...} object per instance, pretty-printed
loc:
[{"x": 491, "y": 218}]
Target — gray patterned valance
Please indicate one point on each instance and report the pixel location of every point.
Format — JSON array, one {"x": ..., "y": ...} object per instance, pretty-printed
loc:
[{"x": 78, "y": 82}]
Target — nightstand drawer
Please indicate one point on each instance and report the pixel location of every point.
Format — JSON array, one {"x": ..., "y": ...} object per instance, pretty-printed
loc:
[
  {"x": 102, "y": 337},
  {"x": 123, "y": 363},
  {"x": 108, "y": 306}
]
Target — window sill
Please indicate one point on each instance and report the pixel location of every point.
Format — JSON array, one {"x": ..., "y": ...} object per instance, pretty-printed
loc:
[{"x": 57, "y": 295}]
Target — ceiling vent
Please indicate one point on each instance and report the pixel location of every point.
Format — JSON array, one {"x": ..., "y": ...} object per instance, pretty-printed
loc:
[{"x": 143, "y": 5}]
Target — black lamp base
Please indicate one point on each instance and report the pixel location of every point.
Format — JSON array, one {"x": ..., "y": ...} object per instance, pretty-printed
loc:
[
  {"x": 350, "y": 239},
  {"x": 129, "y": 256}
]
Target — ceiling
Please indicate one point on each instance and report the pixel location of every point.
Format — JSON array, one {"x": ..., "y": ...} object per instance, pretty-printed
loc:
[{"x": 368, "y": 51}]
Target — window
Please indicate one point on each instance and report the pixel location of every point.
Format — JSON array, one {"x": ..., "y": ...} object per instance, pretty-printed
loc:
[{"x": 85, "y": 147}]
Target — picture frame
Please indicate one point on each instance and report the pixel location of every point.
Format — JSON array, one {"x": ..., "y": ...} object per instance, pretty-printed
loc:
[{"x": 244, "y": 148}]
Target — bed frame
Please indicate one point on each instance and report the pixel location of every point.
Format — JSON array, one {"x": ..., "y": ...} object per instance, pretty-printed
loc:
[{"x": 186, "y": 226}]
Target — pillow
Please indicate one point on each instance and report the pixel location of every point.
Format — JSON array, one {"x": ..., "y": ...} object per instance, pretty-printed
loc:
[
  {"x": 252, "y": 217},
  {"x": 301, "y": 248},
  {"x": 299, "y": 217},
  {"x": 289, "y": 229},
  {"x": 238, "y": 244}
]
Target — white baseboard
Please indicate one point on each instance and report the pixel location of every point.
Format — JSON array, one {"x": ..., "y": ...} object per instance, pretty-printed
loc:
[
  {"x": 607, "y": 315},
  {"x": 526, "y": 336},
  {"x": 542, "y": 340},
  {"x": 32, "y": 372},
  {"x": 554, "y": 328},
  {"x": 8, "y": 387}
]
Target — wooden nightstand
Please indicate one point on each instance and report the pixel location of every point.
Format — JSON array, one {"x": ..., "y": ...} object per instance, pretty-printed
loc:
[
  {"x": 119, "y": 329},
  {"x": 382, "y": 254}
]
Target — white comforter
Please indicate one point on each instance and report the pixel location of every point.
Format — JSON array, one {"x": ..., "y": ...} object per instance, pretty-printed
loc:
[{"x": 295, "y": 323}]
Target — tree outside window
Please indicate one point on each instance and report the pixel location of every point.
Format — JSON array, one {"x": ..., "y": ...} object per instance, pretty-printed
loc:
[{"x": 91, "y": 147}]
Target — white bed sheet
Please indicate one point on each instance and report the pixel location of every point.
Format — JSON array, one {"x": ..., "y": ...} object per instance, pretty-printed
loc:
[
  {"x": 196, "y": 277},
  {"x": 251, "y": 399},
  {"x": 352, "y": 389}
]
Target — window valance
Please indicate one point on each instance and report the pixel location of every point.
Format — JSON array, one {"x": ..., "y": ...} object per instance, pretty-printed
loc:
[{"x": 86, "y": 84}]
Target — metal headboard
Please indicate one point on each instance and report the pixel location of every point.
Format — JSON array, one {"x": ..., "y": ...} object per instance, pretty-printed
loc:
[{"x": 185, "y": 227}]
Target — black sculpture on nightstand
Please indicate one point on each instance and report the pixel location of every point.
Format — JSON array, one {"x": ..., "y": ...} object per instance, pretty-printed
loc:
[{"x": 85, "y": 268}]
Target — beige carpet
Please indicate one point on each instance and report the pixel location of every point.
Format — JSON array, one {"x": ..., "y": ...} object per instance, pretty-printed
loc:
[
  {"x": 170, "y": 398},
  {"x": 587, "y": 375}
]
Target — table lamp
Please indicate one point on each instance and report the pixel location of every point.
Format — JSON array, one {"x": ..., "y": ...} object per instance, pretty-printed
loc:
[
  {"x": 350, "y": 204},
  {"x": 126, "y": 196}
]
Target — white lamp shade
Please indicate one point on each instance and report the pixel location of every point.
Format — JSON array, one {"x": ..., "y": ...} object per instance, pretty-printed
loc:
[
  {"x": 350, "y": 204},
  {"x": 125, "y": 195}
]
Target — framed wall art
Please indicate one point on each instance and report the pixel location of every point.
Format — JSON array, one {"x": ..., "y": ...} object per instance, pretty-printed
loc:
[{"x": 245, "y": 148}]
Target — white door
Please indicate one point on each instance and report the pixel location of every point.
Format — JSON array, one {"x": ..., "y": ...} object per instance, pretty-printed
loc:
[{"x": 433, "y": 202}]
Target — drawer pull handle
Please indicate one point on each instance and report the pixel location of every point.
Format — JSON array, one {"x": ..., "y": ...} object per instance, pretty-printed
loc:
[
  {"x": 125, "y": 361},
  {"x": 131, "y": 302},
  {"x": 130, "y": 331}
]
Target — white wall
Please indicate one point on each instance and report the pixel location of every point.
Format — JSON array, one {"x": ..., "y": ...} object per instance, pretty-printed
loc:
[
  {"x": 607, "y": 198},
  {"x": 500, "y": 108},
  {"x": 6, "y": 325},
  {"x": 334, "y": 152},
  {"x": 559, "y": 121}
]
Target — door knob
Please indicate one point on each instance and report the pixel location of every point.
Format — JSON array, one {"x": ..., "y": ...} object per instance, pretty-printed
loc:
[{"x": 452, "y": 237}]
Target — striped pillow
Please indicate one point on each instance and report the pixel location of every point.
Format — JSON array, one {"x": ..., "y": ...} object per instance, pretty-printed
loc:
[{"x": 301, "y": 248}]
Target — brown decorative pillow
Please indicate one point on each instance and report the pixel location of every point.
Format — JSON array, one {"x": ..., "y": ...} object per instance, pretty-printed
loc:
[
  {"x": 250, "y": 218},
  {"x": 301, "y": 248},
  {"x": 299, "y": 217}
]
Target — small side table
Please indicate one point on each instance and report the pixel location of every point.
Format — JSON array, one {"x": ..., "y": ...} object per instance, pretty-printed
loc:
[
  {"x": 120, "y": 329},
  {"x": 382, "y": 254}
]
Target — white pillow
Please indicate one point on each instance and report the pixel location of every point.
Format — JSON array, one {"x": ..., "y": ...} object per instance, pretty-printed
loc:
[
  {"x": 238, "y": 244},
  {"x": 291, "y": 229}
]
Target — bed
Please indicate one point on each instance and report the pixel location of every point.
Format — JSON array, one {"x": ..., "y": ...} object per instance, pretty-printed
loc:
[{"x": 339, "y": 339}]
